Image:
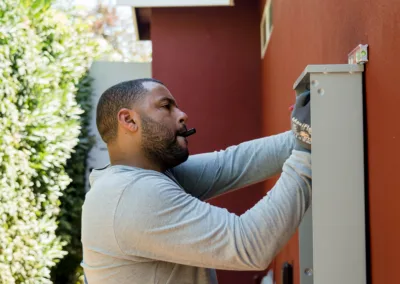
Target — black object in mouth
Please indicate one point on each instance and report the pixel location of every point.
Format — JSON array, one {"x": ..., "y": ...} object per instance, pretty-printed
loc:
[{"x": 188, "y": 132}]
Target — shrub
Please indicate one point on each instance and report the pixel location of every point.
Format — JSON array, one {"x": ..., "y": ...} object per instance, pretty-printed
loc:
[
  {"x": 68, "y": 270},
  {"x": 43, "y": 56}
]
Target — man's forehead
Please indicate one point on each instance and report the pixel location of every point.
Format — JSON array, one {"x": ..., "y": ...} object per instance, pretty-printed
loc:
[{"x": 157, "y": 91}]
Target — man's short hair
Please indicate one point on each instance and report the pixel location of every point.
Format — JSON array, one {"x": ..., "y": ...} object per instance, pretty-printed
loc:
[{"x": 122, "y": 95}]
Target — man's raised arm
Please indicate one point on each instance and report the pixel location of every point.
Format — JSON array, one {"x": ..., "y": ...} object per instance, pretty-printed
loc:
[
  {"x": 156, "y": 219},
  {"x": 210, "y": 174}
]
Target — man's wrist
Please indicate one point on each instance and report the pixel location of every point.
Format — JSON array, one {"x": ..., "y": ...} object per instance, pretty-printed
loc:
[{"x": 301, "y": 146}]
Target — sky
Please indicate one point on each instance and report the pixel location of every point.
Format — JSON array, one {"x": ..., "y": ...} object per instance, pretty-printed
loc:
[
  {"x": 124, "y": 11},
  {"x": 91, "y": 3}
]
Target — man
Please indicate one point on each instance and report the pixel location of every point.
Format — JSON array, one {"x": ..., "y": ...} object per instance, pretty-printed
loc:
[{"x": 144, "y": 218}]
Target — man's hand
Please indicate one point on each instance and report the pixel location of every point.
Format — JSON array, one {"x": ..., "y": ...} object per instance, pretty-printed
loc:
[{"x": 301, "y": 122}]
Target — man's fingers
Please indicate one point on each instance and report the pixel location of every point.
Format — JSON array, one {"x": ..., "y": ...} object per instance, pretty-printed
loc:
[{"x": 303, "y": 99}]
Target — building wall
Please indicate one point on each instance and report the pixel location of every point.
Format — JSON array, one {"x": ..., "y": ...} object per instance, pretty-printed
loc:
[
  {"x": 323, "y": 32},
  {"x": 209, "y": 59}
]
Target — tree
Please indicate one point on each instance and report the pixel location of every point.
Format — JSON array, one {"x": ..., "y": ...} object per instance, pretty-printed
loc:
[{"x": 113, "y": 28}]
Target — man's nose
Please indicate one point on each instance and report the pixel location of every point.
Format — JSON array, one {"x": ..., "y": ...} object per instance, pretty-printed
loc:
[{"x": 183, "y": 117}]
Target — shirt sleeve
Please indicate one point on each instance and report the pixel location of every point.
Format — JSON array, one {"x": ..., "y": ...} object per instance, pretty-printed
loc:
[
  {"x": 208, "y": 175},
  {"x": 156, "y": 219}
]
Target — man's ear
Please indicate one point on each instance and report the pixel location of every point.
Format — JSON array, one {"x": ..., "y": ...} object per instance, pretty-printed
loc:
[{"x": 128, "y": 119}]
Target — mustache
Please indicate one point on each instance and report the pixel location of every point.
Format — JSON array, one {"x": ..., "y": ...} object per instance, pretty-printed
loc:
[{"x": 181, "y": 131}]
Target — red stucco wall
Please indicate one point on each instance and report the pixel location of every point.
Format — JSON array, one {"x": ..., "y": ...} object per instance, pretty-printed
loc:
[
  {"x": 209, "y": 59},
  {"x": 323, "y": 32}
]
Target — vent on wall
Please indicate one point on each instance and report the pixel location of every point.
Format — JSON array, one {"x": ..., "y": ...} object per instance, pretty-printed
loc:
[{"x": 266, "y": 26}]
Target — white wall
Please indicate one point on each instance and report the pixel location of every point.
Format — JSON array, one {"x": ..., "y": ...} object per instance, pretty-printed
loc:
[{"x": 107, "y": 74}]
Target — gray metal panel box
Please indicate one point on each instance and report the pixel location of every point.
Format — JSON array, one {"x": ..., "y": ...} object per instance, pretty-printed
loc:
[{"x": 332, "y": 233}]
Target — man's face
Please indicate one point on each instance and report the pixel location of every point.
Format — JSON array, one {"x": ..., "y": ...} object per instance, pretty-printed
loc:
[{"x": 161, "y": 123}]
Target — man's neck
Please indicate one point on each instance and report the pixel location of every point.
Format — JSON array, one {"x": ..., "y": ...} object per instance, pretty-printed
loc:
[{"x": 132, "y": 159}]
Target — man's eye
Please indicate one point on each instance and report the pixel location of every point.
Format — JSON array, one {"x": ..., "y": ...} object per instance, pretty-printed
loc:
[{"x": 168, "y": 106}]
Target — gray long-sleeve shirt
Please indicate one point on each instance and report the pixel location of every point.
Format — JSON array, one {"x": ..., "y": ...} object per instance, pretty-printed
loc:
[{"x": 142, "y": 226}]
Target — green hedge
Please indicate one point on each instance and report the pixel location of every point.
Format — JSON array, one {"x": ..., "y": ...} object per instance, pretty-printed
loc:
[
  {"x": 43, "y": 57},
  {"x": 68, "y": 270}
]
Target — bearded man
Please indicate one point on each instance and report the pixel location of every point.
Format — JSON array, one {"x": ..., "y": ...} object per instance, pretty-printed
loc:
[{"x": 145, "y": 219}]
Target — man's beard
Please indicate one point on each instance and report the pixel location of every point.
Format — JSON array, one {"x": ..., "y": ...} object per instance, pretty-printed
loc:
[{"x": 160, "y": 144}]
